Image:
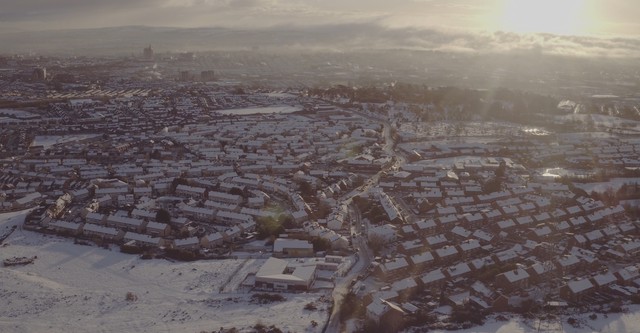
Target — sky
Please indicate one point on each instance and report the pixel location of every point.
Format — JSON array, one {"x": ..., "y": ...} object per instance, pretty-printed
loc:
[{"x": 563, "y": 17}]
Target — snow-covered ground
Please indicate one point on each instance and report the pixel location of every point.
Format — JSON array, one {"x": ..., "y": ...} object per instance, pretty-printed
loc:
[
  {"x": 16, "y": 113},
  {"x": 76, "y": 288},
  {"x": 468, "y": 128},
  {"x": 49, "y": 140},
  {"x": 266, "y": 109},
  {"x": 614, "y": 184}
]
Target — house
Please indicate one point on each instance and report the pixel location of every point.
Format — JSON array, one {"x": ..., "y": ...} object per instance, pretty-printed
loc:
[
  {"x": 126, "y": 223},
  {"x": 513, "y": 280},
  {"x": 405, "y": 287},
  {"x": 541, "y": 271},
  {"x": 411, "y": 247},
  {"x": 568, "y": 263},
  {"x": 198, "y": 213},
  {"x": 191, "y": 191},
  {"x": 421, "y": 260},
  {"x": 284, "y": 247},
  {"x": 447, "y": 254},
  {"x": 102, "y": 232},
  {"x": 469, "y": 246},
  {"x": 191, "y": 243},
  {"x": 627, "y": 274},
  {"x": 223, "y": 197},
  {"x": 576, "y": 290},
  {"x": 388, "y": 316},
  {"x": 279, "y": 274},
  {"x": 142, "y": 239},
  {"x": 631, "y": 248},
  {"x": 459, "y": 270},
  {"x": 212, "y": 240},
  {"x": 603, "y": 280},
  {"x": 157, "y": 229},
  {"x": 393, "y": 268},
  {"x": 433, "y": 279},
  {"x": 66, "y": 227}
]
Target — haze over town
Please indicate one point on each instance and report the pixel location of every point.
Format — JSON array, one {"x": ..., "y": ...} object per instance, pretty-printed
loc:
[{"x": 320, "y": 166}]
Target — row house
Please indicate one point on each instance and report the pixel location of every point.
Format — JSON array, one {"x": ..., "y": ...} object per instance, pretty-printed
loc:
[
  {"x": 198, "y": 213},
  {"x": 224, "y": 197},
  {"x": 66, "y": 227},
  {"x": 191, "y": 243},
  {"x": 212, "y": 240},
  {"x": 143, "y": 239},
  {"x": 393, "y": 268},
  {"x": 226, "y": 217},
  {"x": 102, "y": 232},
  {"x": 157, "y": 229},
  {"x": 95, "y": 218},
  {"x": 191, "y": 191},
  {"x": 127, "y": 223}
]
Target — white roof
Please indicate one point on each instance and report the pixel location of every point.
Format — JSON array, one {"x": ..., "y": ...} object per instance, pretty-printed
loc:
[
  {"x": 273, "y": 266},
  {"x": 404, "y": 284},
  {"x": 187, "y": 241},
  {"x": 284, "y": 243},
  {"x": 100, "y": 229},
  {"x": 274, "y": 269},
  {"x": 604, "y": 279},
  {"x": 397, "y": 263},
  {"x": 577, "y": 286},
  {"x": 433, "y": 276},
  {"x": 516, "y": 275}
]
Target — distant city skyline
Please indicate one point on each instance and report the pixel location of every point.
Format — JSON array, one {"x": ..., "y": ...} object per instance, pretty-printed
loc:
[{"x": 565, "y": 17}]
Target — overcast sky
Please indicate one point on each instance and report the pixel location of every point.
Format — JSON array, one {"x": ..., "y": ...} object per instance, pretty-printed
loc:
[{"x": 580, "y": 17}]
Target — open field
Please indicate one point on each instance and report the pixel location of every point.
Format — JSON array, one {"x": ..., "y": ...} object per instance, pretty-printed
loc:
[{"x": 73, "y": 288}]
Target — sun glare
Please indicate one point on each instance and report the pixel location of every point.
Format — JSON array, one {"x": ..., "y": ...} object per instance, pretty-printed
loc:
[{"x": 565, "y": 17}]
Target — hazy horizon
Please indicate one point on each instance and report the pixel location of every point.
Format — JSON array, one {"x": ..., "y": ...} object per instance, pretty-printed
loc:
[
  {"x": 586, "y": 28},
  {"x": 565, "y": 17}
]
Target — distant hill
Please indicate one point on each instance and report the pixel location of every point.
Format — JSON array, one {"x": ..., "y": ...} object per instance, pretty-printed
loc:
[
  {"x": 331, "y": 37},
  {"x": 127, "y": 39}
]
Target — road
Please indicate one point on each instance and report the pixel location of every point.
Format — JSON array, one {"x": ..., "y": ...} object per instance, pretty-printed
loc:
[{"x": 365, "y": 254}]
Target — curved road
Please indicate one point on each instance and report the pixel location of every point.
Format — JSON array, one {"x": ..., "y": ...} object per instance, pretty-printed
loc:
[{"x": 365, "y": 254}]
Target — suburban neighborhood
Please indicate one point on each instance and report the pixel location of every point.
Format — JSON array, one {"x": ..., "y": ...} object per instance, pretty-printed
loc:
[{"x": 397, "y": 221}]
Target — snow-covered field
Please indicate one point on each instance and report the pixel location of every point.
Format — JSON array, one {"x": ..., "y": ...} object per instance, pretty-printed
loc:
[
  {"x": 614, "y": 184},
  {"x": 266, "y": 109},
  {"x": 49, "y": 140},
  {"x": 76, "y": 288},
  {"x": 16, "y": 113},
  {"x": 468, "y": 128}
]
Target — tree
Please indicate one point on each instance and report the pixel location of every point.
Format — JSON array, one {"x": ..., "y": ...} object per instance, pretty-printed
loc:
[
  {"x": 320, "y": 244},
  {"x": 376, "y": 243},
  {"x": 306, "y": 190},
  {"x": 500, "y": 171},
  {"x": 268, "y": 226},
  {"x": 163, "y": 216}
]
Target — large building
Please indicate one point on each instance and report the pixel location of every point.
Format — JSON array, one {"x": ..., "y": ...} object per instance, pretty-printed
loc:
[
  {"x": 39, "y": 74},
  {"x": 147, "y": 53},
  {"x": 278, "y": 274}
]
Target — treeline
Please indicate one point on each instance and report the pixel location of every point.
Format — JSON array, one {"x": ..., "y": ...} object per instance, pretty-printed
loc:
[{"x": 459, "y": 103}]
